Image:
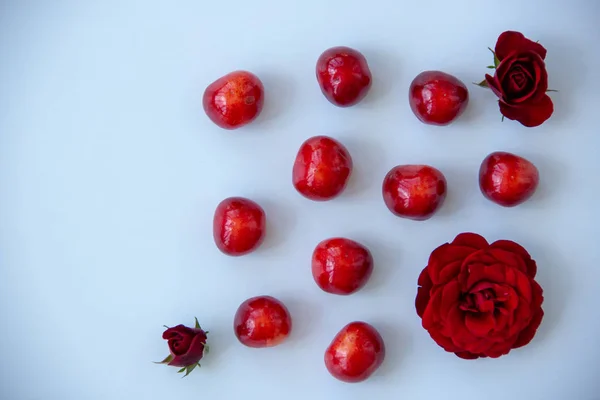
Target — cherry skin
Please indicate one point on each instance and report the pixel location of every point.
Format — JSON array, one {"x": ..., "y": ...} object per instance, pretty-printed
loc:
[
  {"x": 437, "y": 98},
  {"x": 341, "y": 266},
  {"x": 414, "y": 191},
  {"x": 355, "y": 353},
  {"x": 321, "y": 169},
  {"x": 343, "y": 75},
  {"x": 507, "y": 179},
  {"x": 234, "y": 100},
  {"x": 262, "y": 321},
  {"x": 238, "y": 226}
]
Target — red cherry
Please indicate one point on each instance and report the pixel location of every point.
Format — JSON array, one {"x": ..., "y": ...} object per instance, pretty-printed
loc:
[
  {"x": 322, "y": 168},
  {"x": 437, "y": 98},
  {"x": 238, "y": 226},
  {"x": 234, "y": 100},
  {"x": 343, "y": 75},
  {"x": 341, "y": 266},
  {"x": 414, "y": 191},
  {"x": 355, "y": 352},
  {"x": 507, "y": 179},
  {"x": 262, "y": 321}
]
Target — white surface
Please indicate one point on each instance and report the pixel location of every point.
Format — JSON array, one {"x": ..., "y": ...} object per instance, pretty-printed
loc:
[{"x": 110, "y": 172}]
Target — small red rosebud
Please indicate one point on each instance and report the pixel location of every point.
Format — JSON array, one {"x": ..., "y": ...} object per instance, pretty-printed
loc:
[{"x": 187, "y": 347}]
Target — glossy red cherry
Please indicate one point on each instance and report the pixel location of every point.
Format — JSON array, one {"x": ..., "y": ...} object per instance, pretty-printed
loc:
[
  {"x": 341, "y": 266},
  {"x": 355, "y": 352},
  {"x": 507, "y": 179},
  {"x": 343, "y": 75},
  {"x": 414, "y": 191},
  {"x": 437, "y": 98},
  {"x": 234, "y": 100},
  {"x": 322, "y": 168},
  {"x": 238, "y": 226},
  {"x": 262, "y": 321}
]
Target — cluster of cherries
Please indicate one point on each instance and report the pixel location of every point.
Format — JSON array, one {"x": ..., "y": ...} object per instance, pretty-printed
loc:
[{"x": 320, "y": 172}]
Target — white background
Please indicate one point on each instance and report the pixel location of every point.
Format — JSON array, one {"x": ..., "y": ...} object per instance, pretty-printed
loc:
[{"x": 110, "y": 173}]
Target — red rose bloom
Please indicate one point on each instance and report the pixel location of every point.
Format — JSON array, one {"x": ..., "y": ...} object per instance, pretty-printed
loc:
[
  {"x": 478, "y": 299},
  {"x": 521, "y": 80},
  {"x": 187, "y": 347}
]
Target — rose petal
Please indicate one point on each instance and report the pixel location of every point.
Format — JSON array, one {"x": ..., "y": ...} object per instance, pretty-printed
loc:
[
  {"x": 470, "y": 239},
  {"x": 423, "y": 292},
  {"x": 508, "y": 258},
  {"x": 501, "y": 321},
  {"x": 530, "y": 113},
  {"x": 444, "y": 255},
  {"x": 450, "y": 297},
  {"x": 541, "y": 84},
  {"x": 500, "y": 348},
  {"x": 521, "y": 318},
  {"x": 431, "y": 316},
  {"x": 176, "y": 331},
  {"x": 515, "y": 41},
  {"x": 450, "y": 271},
  {"x": 505, "y": 66},
  {"x": 510, "y": 297},
  {"x": 529, "y": 332},
  {"x": 494, "y": 85},
  {"x": 468, "y": 356},
  {"x": 480, "y": 324},
  {"x": 516, "y": 248},
  {"x": 520, "y": 282},
  {"x": 454, "y": 328},
  {"x": 476, "y": 273},
  {"x": 443, "y": 341}
]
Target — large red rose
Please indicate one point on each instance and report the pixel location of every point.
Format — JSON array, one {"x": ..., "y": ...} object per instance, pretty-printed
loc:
[
  {"x": 521, "y": 80},
  {"x": 478, "y": 299}
]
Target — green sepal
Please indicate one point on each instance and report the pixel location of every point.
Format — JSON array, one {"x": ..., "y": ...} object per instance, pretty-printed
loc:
[
  {"x": 482, "y": 84},
  {"x": 167, "y": 360},
  {"x": 189, "y": 369},
  {"x": 502, "y": 119},
  {"x": 496, "y": 60},
  {"x": 181, "y": 370},
  {"x": 491, "y": 67},
  {"x": 551, "y": 90},
  {"x": 206, "y": 349},
  {"x": 197, "y": 326}
]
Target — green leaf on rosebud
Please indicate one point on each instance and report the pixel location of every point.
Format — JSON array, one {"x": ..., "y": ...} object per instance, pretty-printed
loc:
[
  {"x": 189, "y": 369},
  {"x": 496, "y": 60},
  {"x": 167, "y": 360},
  {"x": 181, "y": 370},
  {"x": 206, "y": 349},
  {"x": 482, "y": 84},
  {"x": 551, "y": 90},
  {"x": 490, "y": 67},
  {"x": 197, "y": 323}
]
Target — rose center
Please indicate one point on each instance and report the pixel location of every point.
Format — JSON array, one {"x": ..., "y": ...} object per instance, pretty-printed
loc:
[
  {"x": 180, "y": 344},
  {"x": 482, "y": 301},
  {"x": 519, "y": 80}
]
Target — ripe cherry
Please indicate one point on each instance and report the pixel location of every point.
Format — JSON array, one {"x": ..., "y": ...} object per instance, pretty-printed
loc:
[
  {"x": 322, "y": 168},
  {"x": 507, "y": 179},
  {"x": 414, "y": 191},
  {"x": 341, "y": 266},
  {"x": 343, "y": 75},
  {"x": 262, "y": 321},
  {"x": 234, "y": 100},
  {"x": 238, "y": 226}
]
